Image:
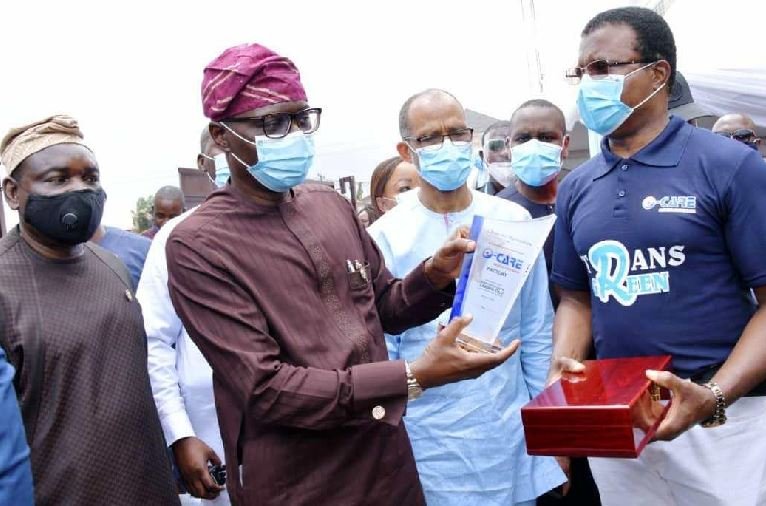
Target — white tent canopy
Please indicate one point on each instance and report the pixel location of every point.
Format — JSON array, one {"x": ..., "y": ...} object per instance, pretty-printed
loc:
[{"x": 731, "y": 90}]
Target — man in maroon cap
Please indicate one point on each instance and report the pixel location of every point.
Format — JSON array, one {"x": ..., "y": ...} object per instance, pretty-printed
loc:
[{"x": 288, "y": 298}]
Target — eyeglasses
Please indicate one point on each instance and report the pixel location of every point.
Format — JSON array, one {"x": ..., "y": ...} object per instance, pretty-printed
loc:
[
  {"x": 596, "y": 68},
  {"x": 432, "y": 142},
  {"x": 744, "y": 135},
  {"x": 496, "y": 145},
  {"x": 278, "y": 125}
]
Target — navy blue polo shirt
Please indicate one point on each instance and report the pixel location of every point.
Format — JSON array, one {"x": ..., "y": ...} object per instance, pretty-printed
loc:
[
  {"x": 130, "y": 248},
  {"x": 668, "y": 242}
]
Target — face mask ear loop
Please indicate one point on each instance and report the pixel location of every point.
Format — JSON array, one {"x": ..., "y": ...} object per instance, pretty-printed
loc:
[
  {"x": 240, "y": 138},
  {"x": 649, "y": 97},
  {"x": 651, "y": 94}
]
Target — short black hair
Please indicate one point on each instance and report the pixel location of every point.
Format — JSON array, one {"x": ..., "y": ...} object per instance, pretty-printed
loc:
[
  {"x": 497, "y": 125},
  {"x": 404, "y": 112},
  {"x": 545, "y": 104},
  {"x": 654, "y": 38}
]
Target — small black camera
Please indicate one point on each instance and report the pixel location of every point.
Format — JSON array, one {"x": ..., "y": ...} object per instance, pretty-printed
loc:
[{"x": 218, "y": 473}]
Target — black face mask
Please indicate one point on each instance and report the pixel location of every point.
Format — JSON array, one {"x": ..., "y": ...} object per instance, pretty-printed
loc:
[{"x": 67, "y": 218}]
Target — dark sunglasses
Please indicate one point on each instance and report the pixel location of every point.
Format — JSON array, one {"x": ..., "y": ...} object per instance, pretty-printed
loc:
[
  {"x": 496, "y": 145},
  {"x": 742, "y": 135}
]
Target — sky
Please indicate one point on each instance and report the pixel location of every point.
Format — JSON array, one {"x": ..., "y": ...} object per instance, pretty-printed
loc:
[{"x": 130, "y": 72}]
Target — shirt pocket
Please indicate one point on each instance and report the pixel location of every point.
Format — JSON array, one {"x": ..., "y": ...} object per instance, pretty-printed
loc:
[{"x": 359, "y": 279}]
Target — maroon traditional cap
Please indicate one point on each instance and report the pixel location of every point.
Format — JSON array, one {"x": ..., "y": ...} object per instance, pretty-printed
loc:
[{"x": 247, "y": 77}]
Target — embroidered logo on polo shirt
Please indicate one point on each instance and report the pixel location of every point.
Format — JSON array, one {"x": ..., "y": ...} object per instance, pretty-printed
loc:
[
  {"x": 685, "y": 204},
  {"x": 621, "y": 274}
]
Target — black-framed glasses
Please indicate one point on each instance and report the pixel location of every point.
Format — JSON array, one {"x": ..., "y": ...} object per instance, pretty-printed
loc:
[
  {"x": 432, "y": 142},
  {"x": 277, "y": 125},
  {"x": 596, "y": 68},
  {"x": 496, "y": 145},
  {"x": 744, "y": 135}
]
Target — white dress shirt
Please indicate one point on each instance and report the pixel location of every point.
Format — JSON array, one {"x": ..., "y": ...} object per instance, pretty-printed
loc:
[{"x": 182, "y": 381}]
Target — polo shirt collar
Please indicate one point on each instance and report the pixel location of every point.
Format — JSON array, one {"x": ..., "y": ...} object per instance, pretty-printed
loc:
[{"x": 665, "y": 150}]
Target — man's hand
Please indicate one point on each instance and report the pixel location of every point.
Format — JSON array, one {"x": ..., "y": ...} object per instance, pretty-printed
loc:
[
  {"x": 561, "y": 365},
  {"x": 444, "y": 267},
  {"x": 691, "y": 404},
  {"x": 192, "y": 456},
  {"x": 444, "y": 362}
]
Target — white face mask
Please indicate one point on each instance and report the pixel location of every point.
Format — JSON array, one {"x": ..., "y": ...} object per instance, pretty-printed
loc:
[{"x": 501, "y": 172}]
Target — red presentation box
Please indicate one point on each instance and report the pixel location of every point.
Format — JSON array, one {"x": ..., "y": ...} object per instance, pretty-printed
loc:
[{"x": 610, "y": 410}]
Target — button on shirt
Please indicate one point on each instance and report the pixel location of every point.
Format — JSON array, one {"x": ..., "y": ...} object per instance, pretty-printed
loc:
[
  {"x": 668, "y": 246},
  {"x": 182, "y": 381}
]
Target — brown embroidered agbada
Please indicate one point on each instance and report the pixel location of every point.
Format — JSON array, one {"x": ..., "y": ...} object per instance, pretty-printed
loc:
[
  {"x": 296, "y": 344},
  {"x": 74, "y": 333}
]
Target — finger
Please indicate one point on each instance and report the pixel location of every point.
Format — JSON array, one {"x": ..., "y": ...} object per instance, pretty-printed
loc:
[
  {"x": 565, "y": 487},
  {"x": 567, "y": 364},
  {"x": 665, "y": 379},
  {"x": 197, "y": 488},
  {"x": 448, "y": 334},
  {"x": 506, "y": 353},
  {"x": 213, "y": 457},
  {"x": 462, "y": 232},
  {"x": 486, "y": 361},
  {"x": 210, "y": 486},
  {"x": 457, "y": 246},
  {"x": 667, "y": 430}
]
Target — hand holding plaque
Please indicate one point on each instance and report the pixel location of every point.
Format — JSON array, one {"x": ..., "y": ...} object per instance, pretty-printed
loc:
[
  {"x": 443, "y": 362},
  {"x": 444, "y": 267}
]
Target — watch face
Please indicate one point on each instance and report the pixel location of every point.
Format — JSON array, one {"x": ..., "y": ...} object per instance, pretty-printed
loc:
[{"x": 413, "y": 392}]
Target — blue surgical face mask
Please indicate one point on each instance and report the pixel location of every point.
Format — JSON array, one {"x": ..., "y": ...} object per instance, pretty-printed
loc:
[
  {"x": 446, "y": 168},
  {"x": 282, "y": 163},
  {"x": 600, "y": 105},
  {"x": 536, "y": 163},
  {"x": 222, "y": 172}
]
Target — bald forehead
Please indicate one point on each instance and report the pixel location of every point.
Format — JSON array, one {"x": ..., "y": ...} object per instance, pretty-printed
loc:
[
  {"x": 732, "y": 122},
  {"x": 435, "y": 111}
]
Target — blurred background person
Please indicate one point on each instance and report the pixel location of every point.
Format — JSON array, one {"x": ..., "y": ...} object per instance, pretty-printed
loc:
[
  {"x": 168, "y": 203},
  {"x": 739, "y": 127},
  {"x": 367, "y": 215},
  {"x": 495, "y": 155},
  {"x": 390, "y": 178}
]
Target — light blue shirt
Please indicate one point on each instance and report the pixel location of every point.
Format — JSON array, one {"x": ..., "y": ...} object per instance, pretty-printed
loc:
[{"x": 467, "y": 437}]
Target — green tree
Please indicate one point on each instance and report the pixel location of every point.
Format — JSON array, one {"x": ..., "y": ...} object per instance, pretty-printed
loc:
[{"x": 142, "y": 214}]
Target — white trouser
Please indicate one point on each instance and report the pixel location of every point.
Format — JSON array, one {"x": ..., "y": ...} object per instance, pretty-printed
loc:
[
  {"x": 189, "y": 500},
  {"x": 721, "y": 466}
]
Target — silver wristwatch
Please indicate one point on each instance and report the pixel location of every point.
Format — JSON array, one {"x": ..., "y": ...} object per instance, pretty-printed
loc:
[
  {"x": 719, "y": 415},
  {"x": 414, "y": 390}
]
